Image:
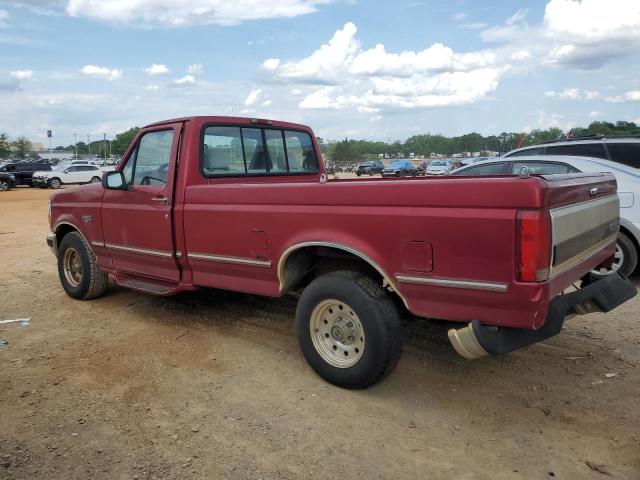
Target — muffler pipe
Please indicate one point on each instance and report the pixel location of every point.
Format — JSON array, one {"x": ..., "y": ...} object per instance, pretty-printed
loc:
[{"x": 464, "y": 341}]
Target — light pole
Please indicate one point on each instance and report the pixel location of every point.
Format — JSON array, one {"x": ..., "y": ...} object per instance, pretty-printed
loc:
[
  {"x": 89, "y": 144},
  {"x": 75, "y": 143},
  {"x": 104, "y": 145}
]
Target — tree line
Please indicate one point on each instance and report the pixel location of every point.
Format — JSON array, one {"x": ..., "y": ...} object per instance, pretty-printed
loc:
[{"x": 350, "y": 150}]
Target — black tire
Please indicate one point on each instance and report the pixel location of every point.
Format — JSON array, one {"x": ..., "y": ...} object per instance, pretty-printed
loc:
[
  {"x": 5, "y": 185},
  {"x": 379, "y": 319},
  {"x": 93, "y": 282},
  {"x": 55, "y": 183},
  {"x": 95, "y": 180}
]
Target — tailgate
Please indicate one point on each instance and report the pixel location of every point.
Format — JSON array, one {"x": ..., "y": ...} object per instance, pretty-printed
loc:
[{"x": 585, "y": 217}]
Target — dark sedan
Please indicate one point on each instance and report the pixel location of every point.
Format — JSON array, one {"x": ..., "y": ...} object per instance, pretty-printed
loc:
[
  {"x": 400, "y": 168},
  {"x": 370, "y": 168}
]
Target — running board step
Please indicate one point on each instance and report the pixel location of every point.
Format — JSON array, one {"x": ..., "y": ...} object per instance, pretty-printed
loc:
[{"x": 148, "y": 285}]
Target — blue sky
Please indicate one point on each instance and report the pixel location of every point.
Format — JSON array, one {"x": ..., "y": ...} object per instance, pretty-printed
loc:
[{"x": 368, "y": 69}]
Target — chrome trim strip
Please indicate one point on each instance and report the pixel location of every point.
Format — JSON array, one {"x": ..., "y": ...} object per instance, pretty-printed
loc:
[
  {"x": 142, "y": 251},
  {"x": 454, "y": 283},
  {"x": 227, "y": 259},
  {"x": 97, "y": 244},
  {"x": 178, "y": 254},
  {"x": 387, "y": 279}
]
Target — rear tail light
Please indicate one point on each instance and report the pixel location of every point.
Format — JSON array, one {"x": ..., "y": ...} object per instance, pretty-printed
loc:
[{"x": 534, "y": 245}]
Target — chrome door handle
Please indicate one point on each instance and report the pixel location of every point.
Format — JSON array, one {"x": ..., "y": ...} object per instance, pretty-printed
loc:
[{"x": 163, "y": 200}]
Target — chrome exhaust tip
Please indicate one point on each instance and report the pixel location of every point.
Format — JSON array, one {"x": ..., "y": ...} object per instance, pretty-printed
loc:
[{"x": 464, "y": 341}]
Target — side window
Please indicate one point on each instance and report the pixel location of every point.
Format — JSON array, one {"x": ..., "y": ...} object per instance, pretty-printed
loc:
[
  {"x": 625, "y": 153},
  {"x": 542, "y": 168},
  {"x": 254, "y": 151},
  {"x": 480, "y": 170},
  {"x": 582, "y": 150},
  {"x": 222, "y": 151},
  {"x": 72, "y": 169},
  {"x": 300, "y": 152},
  {"x": 275, "y": 149},
  {"x": 152, "y": 159},
  {"x": 525, "y": 153}
]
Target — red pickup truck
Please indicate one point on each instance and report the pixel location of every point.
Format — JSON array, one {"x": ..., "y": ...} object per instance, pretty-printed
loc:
[{"x": 244, "y": 204}]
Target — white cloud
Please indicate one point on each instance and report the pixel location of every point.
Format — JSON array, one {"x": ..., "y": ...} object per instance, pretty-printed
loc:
[
  {"x": 591, "y": 95},
  {"x": 459, "y": 16},
  {"x": 102, "y": 72},
  {"x": 157, "y": 69},
  {"x": 4, "y": 15},
  {"x": 352, "y": 77},
  {"x": 295, "y": 91},
  {"x": 195, "y": 69},
  {"x": 171, "y": 13},
  {"x": 517, "y": 17},
  {"x": 253, "y": 97},
  {"x": 595, "y": 114},
  {"x": 152, "y": 87},
  {"x": 266, "y": 103},
  {"x": 21, "y": 74},
  {"x": 581, "y": 34},
  {"x": 375, "y": 118},
  {"x": 186, "y": 81},
  {"x": 322, "y": 65},
  {"x": 520, "y": 55},
  {"x": 632, "y": 96}
]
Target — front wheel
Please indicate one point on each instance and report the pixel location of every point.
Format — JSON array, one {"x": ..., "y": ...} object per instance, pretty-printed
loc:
[
  {"x": 55, "y": 183},
  {"x": 78, "y": 269},
  {"x": 349, "y": 329},
  {"x": 5, "y": 185},
  {"x": 95, "y": 180}
]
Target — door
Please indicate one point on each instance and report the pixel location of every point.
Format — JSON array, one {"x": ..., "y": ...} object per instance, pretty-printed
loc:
[
  {"x": 138, "y": 222},
  {"x": 71, "y": 175}
]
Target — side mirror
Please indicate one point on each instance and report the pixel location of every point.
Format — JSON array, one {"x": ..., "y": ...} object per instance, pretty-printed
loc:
[
  {"x": 114, "y": 181},
  {"x": 66, "y": 170}
]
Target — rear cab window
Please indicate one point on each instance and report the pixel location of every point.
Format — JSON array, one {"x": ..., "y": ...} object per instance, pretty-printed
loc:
[
  {"x": 542, "y": 168},
  {"x": 249, "y": 151},
  {"x": 481, "y": 170}
]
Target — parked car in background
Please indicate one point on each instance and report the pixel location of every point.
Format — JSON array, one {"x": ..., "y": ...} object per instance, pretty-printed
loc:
[
  {"x": 23, "y": 171},
  {"x": 7, "y": 181},
  {"x": 438, "y": 167},
  {"x": 623, "y": 150},
  {"x": 74, "y": 174},
  {"x": 400, "y": 168},
  {"x": 370, "y": 168},
  {"x": 628, "y": 178}
]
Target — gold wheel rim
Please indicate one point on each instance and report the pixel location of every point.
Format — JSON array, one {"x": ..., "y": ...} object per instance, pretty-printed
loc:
[{"x": 72, "y": 266}]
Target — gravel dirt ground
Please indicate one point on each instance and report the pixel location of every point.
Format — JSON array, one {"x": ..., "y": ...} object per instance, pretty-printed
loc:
[{"x": 211, "y": 385}]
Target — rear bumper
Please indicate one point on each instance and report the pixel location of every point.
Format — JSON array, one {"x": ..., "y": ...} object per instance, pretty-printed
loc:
[{"x": 477, "y": 340}]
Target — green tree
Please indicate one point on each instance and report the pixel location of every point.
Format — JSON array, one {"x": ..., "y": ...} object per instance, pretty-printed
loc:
[
  {"x": 343, "y": 152},
  {"x": 122, "y": 141},
  {"x": 5, "y": 146},
  {"x": 21, "y": 147}
]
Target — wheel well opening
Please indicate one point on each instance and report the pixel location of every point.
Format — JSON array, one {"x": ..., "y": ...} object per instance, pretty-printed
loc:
[
  {"x": 307, "y": 263},
  {"x": 62, "y": 231},
  {"x": 631, "y": 237}
]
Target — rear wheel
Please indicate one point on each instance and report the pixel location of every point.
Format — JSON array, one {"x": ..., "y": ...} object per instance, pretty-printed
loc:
[
  {"x": 55, "y": 183},
  {"x": 625, "y": 260},
  {"x": 78, "y": 270},
  {"x": 349, "y": 329}
]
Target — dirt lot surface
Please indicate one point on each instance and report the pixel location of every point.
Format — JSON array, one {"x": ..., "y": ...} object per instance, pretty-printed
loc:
[{"x": 212, "y": 385}]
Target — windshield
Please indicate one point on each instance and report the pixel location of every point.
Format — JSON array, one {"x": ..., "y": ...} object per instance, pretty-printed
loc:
[
  {"x": 438, "y": 164},
  {"x": 396, "y": 164}
]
